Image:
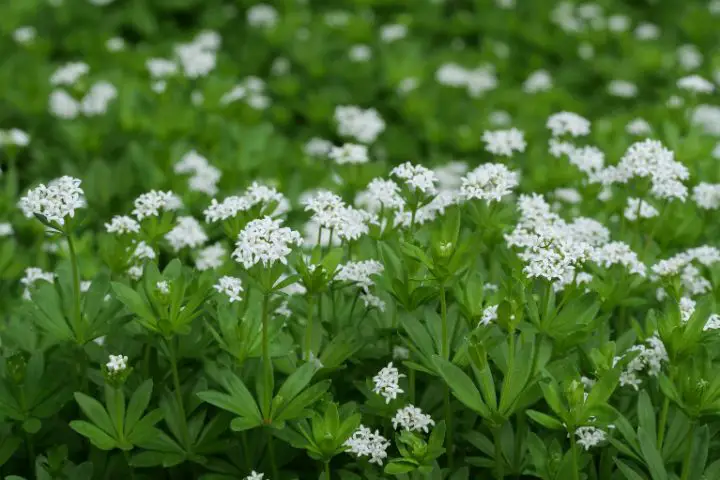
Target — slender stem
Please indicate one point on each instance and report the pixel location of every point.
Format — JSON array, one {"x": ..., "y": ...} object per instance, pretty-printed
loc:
[
  {"x": 271, "y": 452},
  {"x": 352, "y": 308},
  {"x": 327, "y": 470},
  {"x": 687, "y": 463},
  {"x": 267, "y": 366},
  {"x": 308, "y": 327},
  {"x": 246, "y": 449},
  {"x": 573, "y": 450},
  {"x": 445, "y": 347},
  {"x": 662, "y": 422},
  {"x": 77, "y": 319},
  {"x": 411, "y": 383},
  {"x": 445, "y": 351},
  {"x": 499, "y": 462},
  {"x": 178, "y": 391},
  {"x": 127, "y": 461}
]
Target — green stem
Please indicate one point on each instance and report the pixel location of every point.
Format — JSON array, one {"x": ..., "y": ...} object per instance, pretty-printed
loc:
[
  {"x": 573, "y": 450},
  {"x": 662, "y": 422},
  {"x": 178, "y": 392},
  {"x": 327, "y": 470},
  {"x": 687, "y": 464},
  {"x": 499, "y": 462},
  {"x": 267, "y": 366},
  {"x": 445, "y": 350},
  {"x": 445, "y": 347},
  {"x": 411, "y": 385},
  {"x": 77, "y": 319},
  {"x": 127, "y": 461},
  {"x": 271, "y": 452},
  {"x": 246, "y": 449},
  {"x": 308, "y": 328}
]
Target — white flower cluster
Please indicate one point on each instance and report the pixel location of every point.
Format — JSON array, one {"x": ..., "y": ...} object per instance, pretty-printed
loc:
[
  {"x": 122, "y": 225},
  {"x": 372, "y": 301},
  {"x": 416, "y": 177},
  {"x": 504, "y": 142},
  {"x": 230, "y": 286},
  {"x": 117, "y": 363},
  {"x": 364, "y": 443},
  {"x": 707, "y": 119},
  {"x": 618, "y": 253},
  {"x": 476, "y": 81},
  {"x": 412, "y": 419},
  {"x": 589, "y": 436},
  {"x": 15, "y": 137},
  {"x": 198, "y": 57},
  {"x": 149, "y": 204},
  {"x": 622, "y": 89},
  {"x": 675, "y": 265},
  {"x": 32, "y": 276},
  {"x": 211, "y": 257},
  {"x": 393, "y": 32},
  {"x": 6, "y": 229},
  {"x": 489, "y": 182},
  {"x": 687, "y": 308},
  {"x": 650, "y": 159},
  {"x": 330, "y": 212},
  {"x": 489, "y": 314},
  {"x": 204, "y": 177},
  {"x": 712, "y": 323},
  {"x": 637, "y": 208},
  {"x": 56, "y": 201},
  {"x": 387, "y": 383},
  {"x": 538, "y": 81},
  {"x": 361, "y": 125},
  {"x": 265, "y": 241},
  {"x": 268, "y": 199},
  {"x": 359, "y": 272},
  {"x": 349, "y": 154},
  {"x": 69, "y": 73},
  {"x": 638, "y": 127},
  {"x": 695, "y": 84},
  {"x": 186, "y": 233},
  {"x": 262, "y": 15},
  {"x": 95, "y": 101},
  {"x": 707, "y": 195},
  {"x": 649, "y": 358},
  {"x": 317, "y": 147},
  {"x": 251, "y": 90},
  {"x": 379, "y": 195},
  {"x": 568, "y": 123}
]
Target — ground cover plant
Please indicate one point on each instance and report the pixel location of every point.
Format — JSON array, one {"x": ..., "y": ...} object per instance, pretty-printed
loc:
[{"x": 359, "y": 240}]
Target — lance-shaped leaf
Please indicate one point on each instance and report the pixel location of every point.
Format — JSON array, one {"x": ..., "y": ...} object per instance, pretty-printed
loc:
[{"x": 462, "y": 386}]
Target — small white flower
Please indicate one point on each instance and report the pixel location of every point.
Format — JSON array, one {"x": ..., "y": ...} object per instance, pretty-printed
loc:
[
  {"x": 56, "y": 201},
  {"x": 637, "y": 208},
  {"x": 504, "y": 142},
  {"x": 638, "y": 126},
  {"x": 372, "y": 301},
  {"x": 115, "y": 44},
  {"x": 489, "y": 182},
  {"x": 391, "y": 33},
  {"x": 262, "y": 16},
  {"x": 416, "y": 177},
  {"x": 622, "y": 88},
  {"x": 412, "y": 419},
  {"x": 6, "y": 229},
  {"x": 136, "y": 272},
  {"x": 121, "y": 225},
  {"x": 98, "y": 98},
  {"x": 707, "y": 195},
  {"x": 349, "y": 153},
  {"x": 696, "y": 84},
  {"x": 364, "y": 443},
  {"x": 63, "y": 105},
  {"x": 317, "y": 147},
  {"x": 538, "y": 81},
  {"x": 211, "y": 257},
  {"x": 24, "y": 35},
  {"x": 712, "y": 323},
  {"x": 116, "y": 364},
  {"x": 386, "y": 383},
  {"x": 163, "y": 287},
  {"x": 160, "y": 68},
  {"x": 265, "y": 241},
  {"x": 589, "y": 437},
  {"x": 359, "y": 272},
  {"x": 69, "y": 73},
  {"x": 568, "y": 123},
  {"x": 149, "y": 204},
  {"x": 400, "y": 353},
  {"x": 687, "y": 308},
  {"x": 229, "y": 286},
  {"x": 360, "y": 53},
  {"x": 143, "y": 251},
  {"x": 362, "y": 125},
  {"x": 489, "y": 314},
  {"x": 255, "y": 476},
  {"x": 187, "y": 233}
]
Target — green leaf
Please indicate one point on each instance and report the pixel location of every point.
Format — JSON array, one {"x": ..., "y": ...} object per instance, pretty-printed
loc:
[
  {"x": 296, "y": 382},
  {"x": 545, "y": 420},
  {"x": 115, "y": 400},
  {"x": 96, "y": 413},
  {"x": 629, "y": 473},
  {"x": 652, "y": 457},
  {"x": 135, "y": 303},
  {"x": 398, "y": 466},
  {"x": 461, "y": 386},
  {"x": 295, "y": 408},
  {"x": 699, "y": 455},
  {"x": 240, "y": 424},
  {"x": 646, "y": 414},
  {"x": 138, "y": 404},
  {"x": 100, "y": 439}
]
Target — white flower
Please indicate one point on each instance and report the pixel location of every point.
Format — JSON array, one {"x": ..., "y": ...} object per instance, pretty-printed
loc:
[
  {"x": 695, "y": 84},
  {"x": 187, "y": 233},
  {"x": 69, "y": 73},
  {"x": 204, "y": 177},
  {"x": 707, "y": 195},
  {"x": 360, "y": 53},
  {"x": 412, "y": 419},
  {"x": 160, "y": 68},
  {"x": 362, "y": 125},
  {"x": 15, "y": 137},
  {"x": 265, "y": 241},
  {"x": 97, "y": 99},
  {"x": 359, "y": 272},
  {"x": 116, "y": 364},
  {"x": 262, "y": 16},
  {"x": 196, "y": 59},
  {"x": 687, "y": 308},
  {"x": 230, "y": 286},
  {"x": 24, "y": 35},
  {"x": 211, "y": 257},
  {"x": 32, "y": 276},
  {"x": 637, "y": 208},
  {"x": 489, "y": 314},
  {"x": 618, "y": 253},
  {"x": 489, "y": 182},
  {"x": 391, "y": 33},
  {"x": 149, "y": 204},
  {"x": 568, "y": 195},
  {"x": 647, "y": 31},
  {"x": 63, "y": 105},
  {"x": 689, "y": 57},
  {"x": 693, "y": 281},
  {"x": 364, "y": 443},
  {"x": 6, "y": 229},
  {"x": 122, "y": 225},
  {"x": 712, "y": 323},
  {"x": 386, "y": 383},
  {"x": 416, "y": 177},
  {"x": 143, "y": 251},
  {"x": 650, "y": 358},
  {"x": 622, "y": 88},
  {"x": 255, "y": 476},
  {"x": 115, "y": 44},
  {"x": 589, "y": 437},
  {"x": 638, "y": 126},
  {"x": 407, "y": 85},
  {"x": 568, "y": 123},
  {"x": 349, "y": 153},
  {"x": 499, "y": 118},
  {"x": 317, "y": 147},
  {"x": 135, "y": 272},
  {"x": 380, "y": 194},
  {"x": 504, "y": 142},
  {"x": 400, "y": 353},
  {"x": 538, "y": 81},
  {"x": 618, "y": 23},
  {"x": 707, "y": 118},
  {"x": 163, "y": 287},
  {"x": 371, "y": 301},
  {"x": 56, "y": 201}
]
